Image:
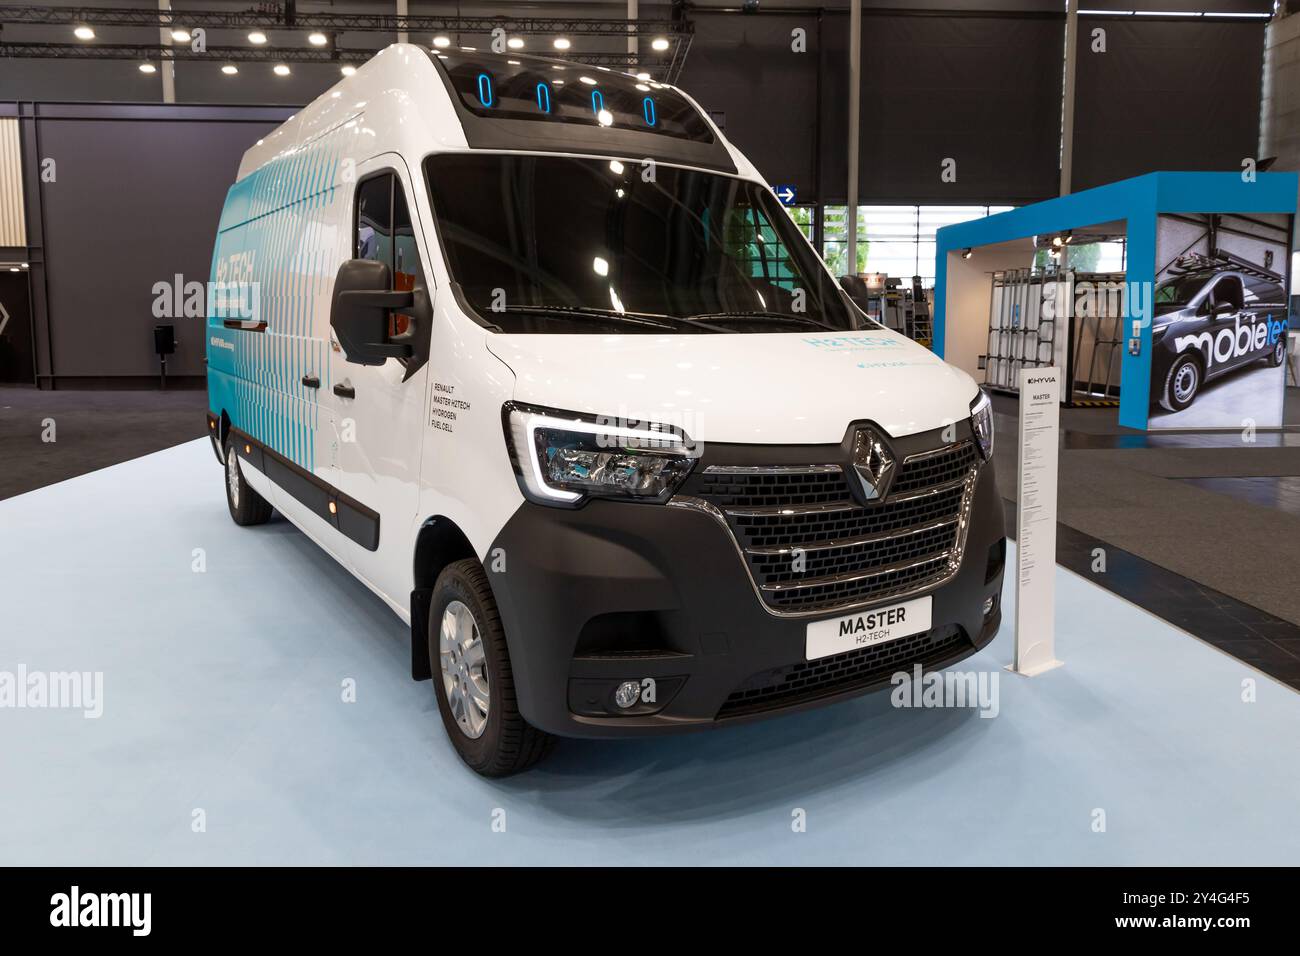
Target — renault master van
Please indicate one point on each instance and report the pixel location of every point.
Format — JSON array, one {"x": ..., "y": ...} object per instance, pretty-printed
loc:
[{"x": 536, "y": 354}]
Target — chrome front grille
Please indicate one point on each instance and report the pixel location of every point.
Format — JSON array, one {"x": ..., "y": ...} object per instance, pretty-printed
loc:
[{"x": 811, "y": 548}]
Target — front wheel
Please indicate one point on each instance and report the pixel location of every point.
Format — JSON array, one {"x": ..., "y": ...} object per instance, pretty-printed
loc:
[
  {"x": 1278, "y": 355},
  {"x": 472, "y": 678},
  {"x": 1182, "y": 383}
]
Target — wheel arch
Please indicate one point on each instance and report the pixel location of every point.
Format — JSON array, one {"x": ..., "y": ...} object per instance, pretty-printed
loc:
[{"x": 439, "y": 542}]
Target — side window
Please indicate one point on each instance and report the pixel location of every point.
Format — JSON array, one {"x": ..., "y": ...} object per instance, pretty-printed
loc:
[
  {"x": 384, "y": 233},
  {"x": 1228, "y": 289},
  {"x": 374, "y": 239},
  {"x": 406, "y": 255}
]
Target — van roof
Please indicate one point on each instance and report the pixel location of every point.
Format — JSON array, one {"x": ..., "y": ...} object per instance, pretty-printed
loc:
[{"x": 464, "y": 98}]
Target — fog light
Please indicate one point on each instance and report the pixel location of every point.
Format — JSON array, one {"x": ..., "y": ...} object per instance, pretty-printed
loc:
[
  {"x": 988, "y": 605},
  {"x": 628, "y": 693}
]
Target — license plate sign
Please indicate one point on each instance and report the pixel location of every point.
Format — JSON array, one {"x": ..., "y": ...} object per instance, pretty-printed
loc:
[{"x": 868, "y": 628}]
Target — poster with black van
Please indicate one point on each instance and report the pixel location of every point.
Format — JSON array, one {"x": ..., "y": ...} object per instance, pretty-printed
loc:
[{"x": 1219, "y": 320}]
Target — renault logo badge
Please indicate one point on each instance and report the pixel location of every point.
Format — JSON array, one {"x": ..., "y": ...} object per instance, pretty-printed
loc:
[{"x": 873, "y": 463}]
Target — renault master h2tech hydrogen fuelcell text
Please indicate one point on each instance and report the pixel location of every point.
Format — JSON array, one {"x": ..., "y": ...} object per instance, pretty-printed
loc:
[{"x": 536, "y": 354}]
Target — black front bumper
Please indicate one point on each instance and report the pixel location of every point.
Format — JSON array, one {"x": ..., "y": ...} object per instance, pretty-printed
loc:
[{"x": 616, "y": 591}]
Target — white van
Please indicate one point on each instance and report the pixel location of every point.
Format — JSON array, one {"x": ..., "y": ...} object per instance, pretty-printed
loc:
[{"x": 538, "y": 356}]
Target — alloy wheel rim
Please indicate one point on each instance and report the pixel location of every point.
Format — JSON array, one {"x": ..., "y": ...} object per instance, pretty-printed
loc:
[
  {"x": 464, "y": 669},
  {"x": 232, "y": 476}
]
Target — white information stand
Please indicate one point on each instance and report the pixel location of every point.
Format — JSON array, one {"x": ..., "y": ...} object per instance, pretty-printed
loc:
[{"x": 1040, "y": 425}]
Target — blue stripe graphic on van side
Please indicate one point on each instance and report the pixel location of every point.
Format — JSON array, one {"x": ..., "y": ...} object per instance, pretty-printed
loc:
[{"x": 276, "y": 215}]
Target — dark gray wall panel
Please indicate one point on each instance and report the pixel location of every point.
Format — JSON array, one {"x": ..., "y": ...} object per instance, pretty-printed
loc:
[
  {"x": 1166, "y": 95},
  {"x": 135, "y": 201},
  {"x": 985, "y": 91},
  {"x": 744, "y": 66}
]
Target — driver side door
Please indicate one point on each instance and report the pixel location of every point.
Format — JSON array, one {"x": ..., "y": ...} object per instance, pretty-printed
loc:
[{"x": 377, "y": 410}]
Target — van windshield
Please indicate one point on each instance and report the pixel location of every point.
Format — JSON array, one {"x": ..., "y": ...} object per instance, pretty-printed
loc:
[
  {"x": 1177, "y": 292},
  {"x": 562, "y": 244}
]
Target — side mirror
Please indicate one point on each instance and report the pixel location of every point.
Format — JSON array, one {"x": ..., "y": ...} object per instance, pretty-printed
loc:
[
  {"x": 1222, "y": 308},
  {"x": 363, "y": 300}
]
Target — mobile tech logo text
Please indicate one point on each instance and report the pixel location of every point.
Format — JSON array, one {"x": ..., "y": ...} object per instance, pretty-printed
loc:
[{"x": 1227, "y": 344}]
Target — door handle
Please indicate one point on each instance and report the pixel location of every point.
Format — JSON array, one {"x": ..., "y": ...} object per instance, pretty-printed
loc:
[
  {"x": 311, "y": 381},
  {"x": 345, "y": 391}
]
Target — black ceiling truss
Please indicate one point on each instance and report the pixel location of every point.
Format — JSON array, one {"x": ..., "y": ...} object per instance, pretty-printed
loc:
[
  {"x": 668, "y": 63},
  {"x": 340, "y": 22},
  {"x": 238, "y": 54}
]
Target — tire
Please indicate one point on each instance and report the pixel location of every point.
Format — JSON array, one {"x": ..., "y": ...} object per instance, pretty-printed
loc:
[
  {"x": 1278, "y": 355},
  {"x": 1182, "y": 383},
  {"x": 500, "y": 742},
  {"x": 247, "y": 507}
]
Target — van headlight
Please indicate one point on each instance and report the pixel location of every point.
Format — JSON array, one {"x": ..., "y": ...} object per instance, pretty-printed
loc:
[
  {"x": 561, "y": 458},
  {"x": 981, "y": 421}
]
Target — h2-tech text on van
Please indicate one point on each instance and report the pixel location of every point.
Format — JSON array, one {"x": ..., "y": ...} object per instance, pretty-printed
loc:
[{"x": 542, "y": 361}]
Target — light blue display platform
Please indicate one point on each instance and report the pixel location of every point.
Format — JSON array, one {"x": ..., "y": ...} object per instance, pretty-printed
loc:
[{"x": 222, "y": 692}]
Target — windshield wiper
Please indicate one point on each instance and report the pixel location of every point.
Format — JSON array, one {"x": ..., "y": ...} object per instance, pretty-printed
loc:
[
  {"x": 761, "y": 316},
  {"x": 634, "y": 318}
]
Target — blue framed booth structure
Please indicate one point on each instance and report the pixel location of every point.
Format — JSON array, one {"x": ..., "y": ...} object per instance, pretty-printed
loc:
[{"x": 1132, "y": 206}]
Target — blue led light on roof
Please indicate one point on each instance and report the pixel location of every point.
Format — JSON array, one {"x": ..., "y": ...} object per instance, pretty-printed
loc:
[
  {"x": 648, "y": 111},
  {"x": 597, "y": 101},
  {"x": 543, "y": 97},
  {"x": 485, "y": 89}
]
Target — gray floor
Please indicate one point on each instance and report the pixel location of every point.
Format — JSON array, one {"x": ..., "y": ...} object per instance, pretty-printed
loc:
[
  {"x": 225, "y": 735},
  {"x": 1130, "y": 490},
  {"x": 90, "y": 430}
]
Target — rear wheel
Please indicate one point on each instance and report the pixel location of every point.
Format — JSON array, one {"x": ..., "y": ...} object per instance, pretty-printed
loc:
[
  {"x": 472, "y": 678},
  {"x": 1182, "y": 382},
  {"x": 246, "y": 505}
]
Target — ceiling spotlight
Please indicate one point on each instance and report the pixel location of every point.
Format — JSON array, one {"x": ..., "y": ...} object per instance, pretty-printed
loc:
[
  {"x": 1058, "y": 241},
  {"x": 230, "y": 69},
  {"x": 148, "y": 68},
  {"x": 605, "y": 118},
  {"x": 643, "y": 77},
  {"x": 515, "y": 43},
  {"x": 442, "y": 42},
  {"x": 588, "y": 80},
  {"x": 84, "y": 33},
  {"x": 643, "y": 88},
  {"x": 659, "y": 43},
  {"x": 281, "y": 70},
  {"x": 348, "y": 70},
  {"x": 317, "y": 38},
  {"x": 181, "y": 35},
  {"x": 561, "y": 43},
  {"x": 967, "y": 253},
  {"x": 257, "y": 37}
]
